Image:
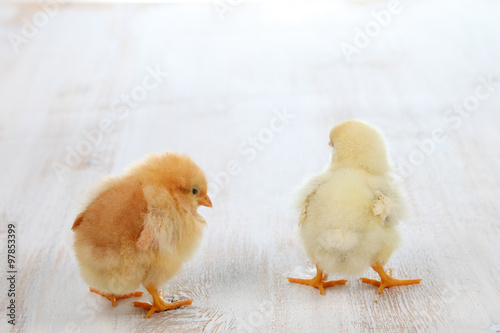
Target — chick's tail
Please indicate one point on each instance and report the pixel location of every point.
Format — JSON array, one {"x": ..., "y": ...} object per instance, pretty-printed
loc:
[
  {"x": 339, "y": 239},
  {"x": 78, "y": 221}
]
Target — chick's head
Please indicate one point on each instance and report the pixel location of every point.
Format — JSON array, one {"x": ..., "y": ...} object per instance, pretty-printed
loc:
[
  {"x": 357, "y": 144},
  {"x": 178, "y": 174}
]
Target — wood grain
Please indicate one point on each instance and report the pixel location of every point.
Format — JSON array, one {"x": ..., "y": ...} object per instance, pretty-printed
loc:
[{"x": 227, "y": 80}]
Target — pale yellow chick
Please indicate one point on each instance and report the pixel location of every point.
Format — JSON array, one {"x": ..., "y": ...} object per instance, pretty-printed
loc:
[
  {"x": 349, "y": 212},
  {"x": 139, "y": 228}
]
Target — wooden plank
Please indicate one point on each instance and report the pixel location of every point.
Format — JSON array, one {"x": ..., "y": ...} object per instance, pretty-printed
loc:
[{"x": 227, "y": 80}]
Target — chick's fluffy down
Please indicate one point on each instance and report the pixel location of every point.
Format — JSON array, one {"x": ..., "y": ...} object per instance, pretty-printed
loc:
[
  {"x": 134, "y": 232},
  {"x": 339, "y": 228}
]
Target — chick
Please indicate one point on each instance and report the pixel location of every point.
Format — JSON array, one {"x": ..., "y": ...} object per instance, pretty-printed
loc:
[
  {"x": 349, "y": 212},
  {"x": 139, "y": 228}
]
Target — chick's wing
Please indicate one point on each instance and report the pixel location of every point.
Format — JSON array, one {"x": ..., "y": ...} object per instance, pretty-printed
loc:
[
  {"x": 162, "y": 227},
  {"x": 114, "y": 218}
]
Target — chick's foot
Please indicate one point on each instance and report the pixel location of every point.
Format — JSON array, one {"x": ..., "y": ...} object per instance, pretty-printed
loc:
[
  {"x": 318, "y": 281},
  {"x": 114, "y": 298},
  {"x": 387, "y": 280},
  {"x": 159, "y": 304}
]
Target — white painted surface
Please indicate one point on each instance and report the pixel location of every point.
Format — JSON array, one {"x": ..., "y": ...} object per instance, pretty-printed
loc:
[{"x": 226, "y": 78}]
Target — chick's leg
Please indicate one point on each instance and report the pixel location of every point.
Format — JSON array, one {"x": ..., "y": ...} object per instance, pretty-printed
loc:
[
  {"x": 158, "y": 303},
  {"x": 386, "y": 279},
  {"x": 318, "y": 281},
  {"x": 114, "y": 298}
]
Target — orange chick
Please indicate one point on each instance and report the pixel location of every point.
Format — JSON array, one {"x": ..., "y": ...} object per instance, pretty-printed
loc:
[{"x": 139, "y": 228}]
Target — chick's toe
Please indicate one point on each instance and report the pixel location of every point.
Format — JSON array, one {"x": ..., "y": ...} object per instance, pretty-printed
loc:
[
  {"x": 318, "y": 281},
  {"x": 386, "y": 279},
  {"x": 159, "y": 304},
  {"x": 114, "y": 298}
]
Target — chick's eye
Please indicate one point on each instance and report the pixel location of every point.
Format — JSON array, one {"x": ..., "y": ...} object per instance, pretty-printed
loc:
[{"x": 195, "y": 191}]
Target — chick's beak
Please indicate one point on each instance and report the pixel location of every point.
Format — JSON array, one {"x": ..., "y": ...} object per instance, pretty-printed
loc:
[{"x": 205, "y": 202}]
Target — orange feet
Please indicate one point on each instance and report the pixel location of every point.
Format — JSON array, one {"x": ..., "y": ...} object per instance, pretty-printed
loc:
[
  {"x": 386, "y": 279},
  {"x": 114, "y": 298},
  {"x": 318, "y": 281},
  {"x": 158, "y": 303}
]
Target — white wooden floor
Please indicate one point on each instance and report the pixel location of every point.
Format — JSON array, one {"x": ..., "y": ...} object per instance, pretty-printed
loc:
[{"x": 229, "y": 74}]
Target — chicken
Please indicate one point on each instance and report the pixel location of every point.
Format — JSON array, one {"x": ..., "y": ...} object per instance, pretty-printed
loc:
[
  {"x": 349, "y": 212},
  {"x": 139, "y": 228}
]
